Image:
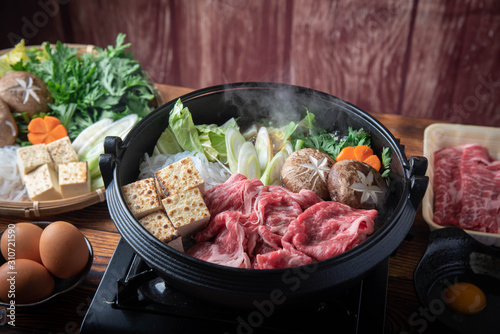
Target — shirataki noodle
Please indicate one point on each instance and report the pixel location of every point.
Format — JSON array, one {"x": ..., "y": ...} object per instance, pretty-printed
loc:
[{"x": 11, "y": 184}]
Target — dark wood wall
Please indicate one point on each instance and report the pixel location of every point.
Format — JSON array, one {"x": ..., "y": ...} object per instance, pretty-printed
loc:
[{"x": 423, "y": 58}]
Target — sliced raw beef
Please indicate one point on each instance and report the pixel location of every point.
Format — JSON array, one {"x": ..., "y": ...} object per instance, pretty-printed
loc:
[
  {"x": 305, "y": 198},
  {"x": 329, "y": 228},
  {"x": 480, "y": 190},
  {"x": 228, "y": 247},
  {"x": 281, "y": 259},
  {"x": 447, "y": 185},
  {"x": 275, "y": 211},
  {"x": 250, "y": 222},
  {"x": 467, "y": 188},
  {"x": 236, "y": 194}
]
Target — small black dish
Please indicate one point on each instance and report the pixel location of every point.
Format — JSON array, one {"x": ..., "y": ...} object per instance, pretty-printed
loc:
[
  {"x": 453, "y": 256},
  {"x": 60, "y": 285}
]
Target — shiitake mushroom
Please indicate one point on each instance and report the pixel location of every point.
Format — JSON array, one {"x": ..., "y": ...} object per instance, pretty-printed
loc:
[
  {"x": 8, "y": 126},
  {"x": 307, "y": 168},
  {"x": 24, "y": 92},
  {"x": 357, "y": 184}
]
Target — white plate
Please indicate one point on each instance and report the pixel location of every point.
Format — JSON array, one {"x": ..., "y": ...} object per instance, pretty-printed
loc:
[{"x": 438, "y": 136}]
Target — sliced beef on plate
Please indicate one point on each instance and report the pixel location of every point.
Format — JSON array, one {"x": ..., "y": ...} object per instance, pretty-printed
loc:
[
  {"x": 467, "y": 188},
  {"x": 228, "y": 247},
  {"x": 480, "y": 190},
  {"x": 329, "y": 228},
  {"x": 447, "y": 185}
]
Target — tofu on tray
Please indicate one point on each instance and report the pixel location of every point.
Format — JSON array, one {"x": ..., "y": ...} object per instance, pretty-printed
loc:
[
  {"x": 52, "y": 171},
  {"x": 170, "y": 204}
]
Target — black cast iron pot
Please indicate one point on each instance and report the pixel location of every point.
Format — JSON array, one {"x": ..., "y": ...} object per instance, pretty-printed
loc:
[{"x": 248, "y": 287}]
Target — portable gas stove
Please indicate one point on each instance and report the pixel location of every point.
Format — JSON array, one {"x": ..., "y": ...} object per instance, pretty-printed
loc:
[{"x": 132, "y": 298}]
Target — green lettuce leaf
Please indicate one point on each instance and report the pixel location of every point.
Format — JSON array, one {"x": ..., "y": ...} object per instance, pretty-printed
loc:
[
  {"x": 213, "y": 139},
  {"x": 182, "y": 126}
]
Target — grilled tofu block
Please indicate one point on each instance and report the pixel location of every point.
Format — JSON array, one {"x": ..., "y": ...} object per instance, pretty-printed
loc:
[
  {"x": 61, "y": 151},
  {"x": 158, "y": 224},
  {"x": 141, "y": 197},
  {"x": 42, "y": 184},
  {"x": 74, "y": 179},
  {"x": 187, "y": 211},
  {"x": 177, "y": 177},
  {"x": 30, "y": 158}
]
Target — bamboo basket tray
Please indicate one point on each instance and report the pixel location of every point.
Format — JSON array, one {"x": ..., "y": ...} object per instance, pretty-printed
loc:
[{"x": 29, "y": 209}]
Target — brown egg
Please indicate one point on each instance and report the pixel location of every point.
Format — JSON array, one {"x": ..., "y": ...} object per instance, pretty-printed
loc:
[
  {"x": 25, "y": 281},
  {"x": 63, "y": 249},
  {"x": 22, "y": 242}
]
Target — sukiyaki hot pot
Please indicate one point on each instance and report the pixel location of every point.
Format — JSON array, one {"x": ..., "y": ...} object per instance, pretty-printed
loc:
[{"x": 249, "y": 102}]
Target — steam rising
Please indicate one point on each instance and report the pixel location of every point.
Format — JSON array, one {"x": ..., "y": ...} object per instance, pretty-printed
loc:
[
  {"x": 278, "y": 104},
  {"x": 281, "y": 104}
]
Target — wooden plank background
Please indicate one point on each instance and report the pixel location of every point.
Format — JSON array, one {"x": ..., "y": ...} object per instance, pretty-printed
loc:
[{"x": 423, "y": 58}]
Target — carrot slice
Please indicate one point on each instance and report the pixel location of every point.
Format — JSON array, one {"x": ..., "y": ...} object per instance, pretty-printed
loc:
[
  {"x": 346, "y": 153},
  {"x": 57, "y": 133},
  {"x": 36, "y": 138},
  {"x": 362, "y": 152},
  {"x": 51, "y": 122},
  {"x": 45, "y": 130},
  {"x": 373, "y": 161},
  {"x": 37, "y": 125}
]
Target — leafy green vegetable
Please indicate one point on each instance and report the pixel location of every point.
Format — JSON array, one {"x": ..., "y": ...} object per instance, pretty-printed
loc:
[
  {"x": 309, "y": 121},
  {"x": 329, "y": 143},
  {"x": 213, "y": 139},
  {"x": 309, "y": 135},
  {"x": 90, "y": 87},
  {"x": 386, "y": 161},
  {"x": 182, "y": 126},
  {"x": 167, "y": 144}
]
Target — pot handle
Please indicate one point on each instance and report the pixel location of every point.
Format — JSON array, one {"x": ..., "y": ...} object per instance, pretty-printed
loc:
[
  {"x": 107, "y": 161},
  {"x": 418, "y": 180}
]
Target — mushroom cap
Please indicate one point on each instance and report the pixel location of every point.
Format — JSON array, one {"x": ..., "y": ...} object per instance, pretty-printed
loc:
[
  {"x": 357, "y": 184},
  {"x": 8, "y": 126},
  {"x": 24, "y": 92},
  {"x": 307, "y": 168}
]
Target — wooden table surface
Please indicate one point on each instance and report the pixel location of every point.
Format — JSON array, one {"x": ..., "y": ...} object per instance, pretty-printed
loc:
[{"x": 65, "y": 313}]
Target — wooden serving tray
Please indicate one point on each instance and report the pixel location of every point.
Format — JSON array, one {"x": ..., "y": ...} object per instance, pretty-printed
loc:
[{"x": 30, "y": 209}]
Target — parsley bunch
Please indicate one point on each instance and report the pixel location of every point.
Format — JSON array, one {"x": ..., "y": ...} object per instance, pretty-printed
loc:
[{"x": 106, "y": 84}]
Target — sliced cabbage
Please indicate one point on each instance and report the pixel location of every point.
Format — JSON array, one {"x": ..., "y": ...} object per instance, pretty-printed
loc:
[
  {"x": 167, "y": 144},
  {"x": 182, "y": 126}
]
